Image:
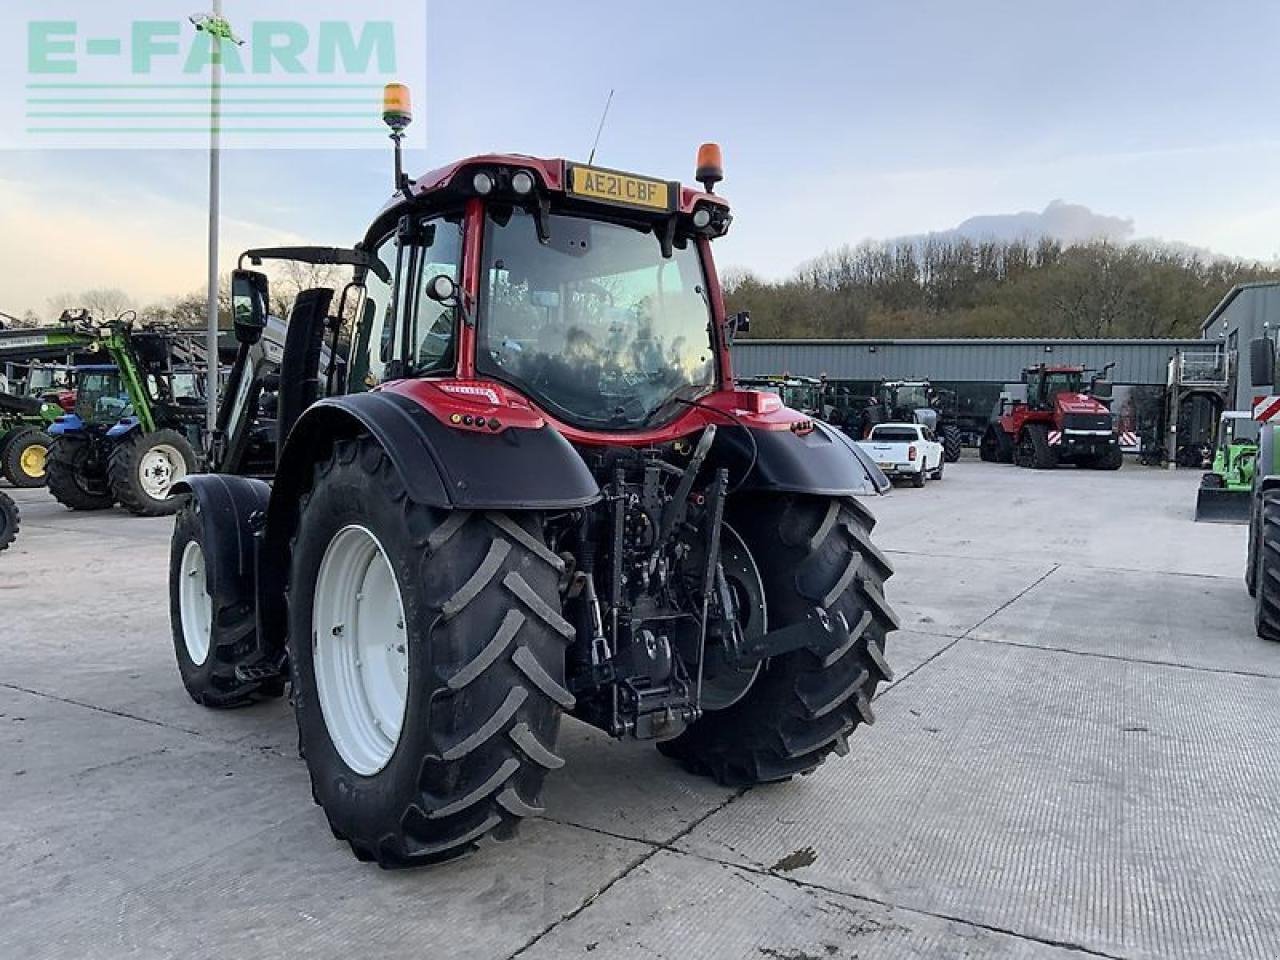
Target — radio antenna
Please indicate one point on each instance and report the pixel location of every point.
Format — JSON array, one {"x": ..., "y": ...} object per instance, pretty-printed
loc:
[{"x": 600, "y": 129}]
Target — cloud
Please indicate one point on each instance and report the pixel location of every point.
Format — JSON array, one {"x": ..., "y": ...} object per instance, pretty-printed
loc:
[
  {"x": 1067, "y": 222},
  {"x": 83, "y": 237}
]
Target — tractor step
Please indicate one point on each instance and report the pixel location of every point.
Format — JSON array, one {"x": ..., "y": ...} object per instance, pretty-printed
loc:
[
  {"x": 257, "y": 672},
  {"x": 1220, "y": 505}
]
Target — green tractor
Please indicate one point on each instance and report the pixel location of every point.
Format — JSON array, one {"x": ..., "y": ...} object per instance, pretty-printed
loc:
[
  {"x": 24, "y": 440},
  {"x": 1262, "y": 569},
  {"x": 1225, "y": 490},
  {"x": 131, "y": 435}
]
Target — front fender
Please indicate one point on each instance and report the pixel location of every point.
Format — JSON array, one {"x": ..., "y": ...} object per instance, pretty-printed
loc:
[
  {"x": 65, "y": 424},
  {"x": 122, "y": 427},
  {"x": 231, "y": 511}
]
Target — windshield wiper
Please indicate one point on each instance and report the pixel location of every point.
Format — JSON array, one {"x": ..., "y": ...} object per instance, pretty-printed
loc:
[{"x": 670, "y": 400}]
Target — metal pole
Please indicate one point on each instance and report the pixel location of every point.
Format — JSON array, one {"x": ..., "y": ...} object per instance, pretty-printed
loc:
[{"x": 215, "y": 202}]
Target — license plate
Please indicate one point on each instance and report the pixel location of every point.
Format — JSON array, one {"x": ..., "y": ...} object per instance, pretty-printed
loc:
[
  {"x": 609, "y": 186},
  {"x": 885, "y": 466}
]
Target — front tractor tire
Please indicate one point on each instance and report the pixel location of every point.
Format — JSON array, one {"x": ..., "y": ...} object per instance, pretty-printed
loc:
[
  {"x": 24, "y": 457},
  {"x": 76, "y": 474},
  {"x": 214, "y": 629},
  {"x": 144, "y": 467},
  {"x": 427, "y": 651},
  {"x": 816, "y": 560}
]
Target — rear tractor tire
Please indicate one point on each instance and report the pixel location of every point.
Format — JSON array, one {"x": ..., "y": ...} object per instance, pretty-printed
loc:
[
  {"x": 24, "y": 456},
  {"x": 816, "y": 560},
  {"x": 427, "y": 651},
  {"x": 145, "y": 466},
  {"x": 951, "y": 446},
  {"x": 1266, "y": 607},
  {"x": 76, "y": 474},
  {"x": 214, "y": 629},
  {"x": 10, "y": 520}
]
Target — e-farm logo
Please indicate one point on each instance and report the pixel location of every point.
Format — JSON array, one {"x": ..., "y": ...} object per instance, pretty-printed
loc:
[{"x": 262, "y": 73}]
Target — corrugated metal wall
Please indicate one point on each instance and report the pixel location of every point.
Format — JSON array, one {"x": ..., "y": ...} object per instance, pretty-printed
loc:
[
  {"x": 975, "y": 361},
  {"x": 1245, "y": 309},
  {"x": 1248, "y": 312}
]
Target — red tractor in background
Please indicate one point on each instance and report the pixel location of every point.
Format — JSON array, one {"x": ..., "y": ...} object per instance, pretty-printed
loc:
[
  {"x": 531, "y": 490},
  {"x": 1056, "y": 421}
]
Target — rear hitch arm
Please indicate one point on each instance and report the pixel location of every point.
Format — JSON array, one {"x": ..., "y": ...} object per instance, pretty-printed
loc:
[
  {"x": 820, "y": 633},
  {"x": 714, "y": 517}
]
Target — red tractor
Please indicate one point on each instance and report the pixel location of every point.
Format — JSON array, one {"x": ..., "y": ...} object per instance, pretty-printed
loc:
[
  {"x": 1057, "y": 422},
  {"x": 526, "y": 487}
]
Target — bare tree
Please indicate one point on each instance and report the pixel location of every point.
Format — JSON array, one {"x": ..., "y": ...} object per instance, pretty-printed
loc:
[{"x": 289, "y": 278}]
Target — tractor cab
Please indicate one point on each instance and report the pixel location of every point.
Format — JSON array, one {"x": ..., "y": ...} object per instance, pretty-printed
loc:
[
  {"x": 102, "y": 397},
  {"x": 1045, "y": 383},
  {"x": 902, "y": 398}
]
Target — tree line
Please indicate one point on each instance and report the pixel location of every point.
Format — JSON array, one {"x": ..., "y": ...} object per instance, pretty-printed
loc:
[
  {"x": 188, "y": 311},
  {"x": 956, "y": 287}
]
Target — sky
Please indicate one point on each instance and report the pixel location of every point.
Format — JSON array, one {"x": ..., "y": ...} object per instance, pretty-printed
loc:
[{"x": 841, "y": 121}]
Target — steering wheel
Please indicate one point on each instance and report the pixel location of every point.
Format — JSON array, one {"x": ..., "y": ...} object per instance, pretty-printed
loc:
[{"x": 618, "y": 387}]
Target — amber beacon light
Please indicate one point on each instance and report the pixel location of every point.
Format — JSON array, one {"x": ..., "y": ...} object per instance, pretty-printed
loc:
[
  {"x": 397, "y": 113},
  {"x": 710, "y": 166},
  {"x": 397, "y": 106}
]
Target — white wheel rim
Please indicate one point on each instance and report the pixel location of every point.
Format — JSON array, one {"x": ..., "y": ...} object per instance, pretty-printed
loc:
[
  {"x": 159, "y": 469},
  {"x": 195, "y": 606},
  {"x": 360, "y": 650}
]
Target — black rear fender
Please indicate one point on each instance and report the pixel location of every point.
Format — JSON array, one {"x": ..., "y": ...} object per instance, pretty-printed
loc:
[
  {"x": 438, "y": 466},
  {"x": 824, "y": 462}
]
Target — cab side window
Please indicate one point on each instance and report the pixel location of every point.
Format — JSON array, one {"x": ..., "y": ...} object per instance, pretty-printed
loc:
[{"x": 431, "y": 332}]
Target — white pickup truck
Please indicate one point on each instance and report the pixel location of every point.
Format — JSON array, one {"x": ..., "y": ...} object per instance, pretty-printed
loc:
[{"x": 905, "y": 450}]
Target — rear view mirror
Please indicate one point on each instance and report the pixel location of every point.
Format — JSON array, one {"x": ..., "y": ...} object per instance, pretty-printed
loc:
[
  {"x": 1262, "y": 363},
  {"x": 250, "y": 292},
  {"x": 442, "y": 289},
  {"x": 1102, "y": 389},
  {"x": 738, "y": 323}
]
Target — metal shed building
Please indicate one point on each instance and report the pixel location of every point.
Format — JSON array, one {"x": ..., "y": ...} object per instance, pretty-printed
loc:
[
  {"x": 990, "y": 361},
  {"x": 1249, "y": 311}
]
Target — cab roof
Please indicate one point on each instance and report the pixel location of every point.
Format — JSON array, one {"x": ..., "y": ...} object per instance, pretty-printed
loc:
[{"x": 550, "y": 171}]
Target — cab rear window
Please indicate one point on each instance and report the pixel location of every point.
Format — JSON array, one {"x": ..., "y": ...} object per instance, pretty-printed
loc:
[{"x": 894, "y": 435}]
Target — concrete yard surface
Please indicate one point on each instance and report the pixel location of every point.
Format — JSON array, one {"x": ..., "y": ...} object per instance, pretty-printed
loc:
[{"x": 1079, "y": 756}]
